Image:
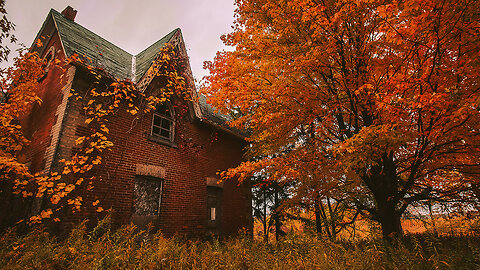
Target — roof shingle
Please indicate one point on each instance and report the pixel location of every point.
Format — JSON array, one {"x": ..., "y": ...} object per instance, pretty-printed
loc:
[
  {"x": 104, "y": 54},
  {"x": 145, "y": 58}
]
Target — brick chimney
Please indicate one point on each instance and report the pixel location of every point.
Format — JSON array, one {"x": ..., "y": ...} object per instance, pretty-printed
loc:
[{"x": 69, "y": 13}]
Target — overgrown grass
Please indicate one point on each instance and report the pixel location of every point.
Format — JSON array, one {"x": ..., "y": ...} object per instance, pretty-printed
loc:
[{"x": 103, "y": 248}]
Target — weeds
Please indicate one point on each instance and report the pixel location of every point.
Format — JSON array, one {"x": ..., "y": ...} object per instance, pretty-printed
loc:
[{"x": 126, "y": 248}]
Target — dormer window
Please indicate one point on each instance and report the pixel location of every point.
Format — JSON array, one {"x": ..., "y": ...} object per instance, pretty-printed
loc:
[{"x": 163, "y": 124}]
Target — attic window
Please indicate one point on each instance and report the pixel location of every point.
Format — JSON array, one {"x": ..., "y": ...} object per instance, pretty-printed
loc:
[
  {"x": 163, "y": 124},
  {"x": 47, "y": 61}
]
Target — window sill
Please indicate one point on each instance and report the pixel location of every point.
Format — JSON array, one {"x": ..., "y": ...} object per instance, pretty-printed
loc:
[{"x": 161, "y": 141}]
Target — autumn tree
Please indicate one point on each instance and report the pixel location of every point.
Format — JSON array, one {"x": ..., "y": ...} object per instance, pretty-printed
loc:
[
  {"x": 17, "y": 83},
  {"x": 380, "y": 97}
]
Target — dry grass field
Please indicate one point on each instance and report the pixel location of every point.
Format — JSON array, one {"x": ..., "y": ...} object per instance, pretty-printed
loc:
[{"x": 125, "y": 248}]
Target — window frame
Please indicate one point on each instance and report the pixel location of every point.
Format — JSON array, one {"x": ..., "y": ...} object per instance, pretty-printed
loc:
[
  {"x": 48, "y": 59},
  {"x": 214, "y": 207},
  {"x": 156, "y": 114}
]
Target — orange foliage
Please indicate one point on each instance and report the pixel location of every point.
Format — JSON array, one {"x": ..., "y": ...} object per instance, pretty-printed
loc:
[{"x": 377, "y": 101}]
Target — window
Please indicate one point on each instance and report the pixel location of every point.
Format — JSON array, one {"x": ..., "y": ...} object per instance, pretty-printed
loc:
[
  {"x": 214, "y": 197},
  {"x": 47, "y": 61},
  {"x": 163, "y": 125},
  {"x": 147, "y": 202},
  {"x": 214, "y": 203},
  {"x": 148, "y": 196}
]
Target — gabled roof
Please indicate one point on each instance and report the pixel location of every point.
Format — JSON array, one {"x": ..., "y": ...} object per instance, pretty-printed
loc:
[
  {"x": 209, "y": 113},
  {"x": 76, "y": 39},
  {"x": 145, "y": 58},
  {"x": 116, "y": 61}
]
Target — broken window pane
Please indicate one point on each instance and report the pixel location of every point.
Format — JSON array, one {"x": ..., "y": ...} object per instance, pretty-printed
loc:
[{"x": 163, "y": 123}]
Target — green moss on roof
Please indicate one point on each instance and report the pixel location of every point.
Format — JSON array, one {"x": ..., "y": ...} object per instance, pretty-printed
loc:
[
  {"x": 216, "y": 118},
  {"x": 77, "y": 39},
  {"x": 145, "y": 59},
  {"x": 116, "y": 61}
]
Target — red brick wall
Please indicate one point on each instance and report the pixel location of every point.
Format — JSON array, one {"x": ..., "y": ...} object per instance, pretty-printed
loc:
[
  {"x": 198, "y": 156},
  {"x": 38, "y": 124}
]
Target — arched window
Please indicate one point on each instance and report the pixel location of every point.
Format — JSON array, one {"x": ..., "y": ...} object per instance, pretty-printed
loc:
[
  {"x": 47, "y": 60},
  {"x": 163, "y": 123}
]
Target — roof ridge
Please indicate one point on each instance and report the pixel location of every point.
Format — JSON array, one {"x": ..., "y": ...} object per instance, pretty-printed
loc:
[
  {"x": 76, "y": 38},
  {"x": 145, "y": 58},
  {"x": 44, "y": 24},
  {"x": 152, "y": 45}
]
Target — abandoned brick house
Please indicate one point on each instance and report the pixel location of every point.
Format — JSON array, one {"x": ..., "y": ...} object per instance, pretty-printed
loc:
[{"x": 151, "y": 179}]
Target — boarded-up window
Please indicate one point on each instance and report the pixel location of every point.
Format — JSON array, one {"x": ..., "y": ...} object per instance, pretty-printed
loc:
[{"x": 148, "y": 195}]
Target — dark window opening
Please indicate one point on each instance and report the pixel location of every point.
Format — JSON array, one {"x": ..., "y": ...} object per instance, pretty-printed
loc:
[
  {"x": 47, "y": 60},
  {"x": 214, "y": 196},
  {"x": 163, "y": 124}
]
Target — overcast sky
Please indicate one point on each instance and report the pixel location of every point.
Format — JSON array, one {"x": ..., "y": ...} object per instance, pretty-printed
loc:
[{"x": 133, "y": 25}]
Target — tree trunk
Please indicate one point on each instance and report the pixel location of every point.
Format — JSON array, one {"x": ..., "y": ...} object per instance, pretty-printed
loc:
[
  {"x": 276, "y": 216},
  {"x": 325, "y": 219},
  {"x": 390, "y": 221},
  {"x": 265, "y": 226},
  {"x": 277, "y": 225},
  {"x": 333, "y": 219},
  {"x": 383, "y": 183},
  {"x": 432, "y": 218},
  {"x": 318, "y": 219}
]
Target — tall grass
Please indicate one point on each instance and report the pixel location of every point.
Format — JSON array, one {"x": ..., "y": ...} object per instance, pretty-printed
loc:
[{"x": 125, "y": 248}]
